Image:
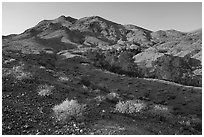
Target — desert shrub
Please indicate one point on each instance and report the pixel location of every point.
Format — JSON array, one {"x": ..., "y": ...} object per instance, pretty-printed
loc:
[
  {"x": 67, "y": 110},
  {"x": 160, "y": 111},
  {"x": 42, "y": 67},
  {"x": 96, "y": 91},
  {"x": 6, "y": 72},
  {"x": 113, "y": 97},
  {"x": 190, "y": 122},
  {"x": 130, "y": 106},
  {"x": 84, "y": 87},
  {"x": 100, "y": 98},
  {"x": 64, "y": 78},
  {"x": 17, "y": 71},
  {"x": 45, "y": 90}
]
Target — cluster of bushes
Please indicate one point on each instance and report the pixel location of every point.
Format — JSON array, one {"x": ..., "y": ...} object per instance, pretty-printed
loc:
[
  {"x": 72, "y": 110},
  {"x": 159, "y": 112}
]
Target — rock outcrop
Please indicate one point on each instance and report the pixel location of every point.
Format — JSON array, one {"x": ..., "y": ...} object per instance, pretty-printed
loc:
[{"x": 168, "y": 67}]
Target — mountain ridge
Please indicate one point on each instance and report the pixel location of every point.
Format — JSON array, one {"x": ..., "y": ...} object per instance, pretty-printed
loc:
[
  {"x": 63, "y": 17},
  {"x": 67, "y": 33}
]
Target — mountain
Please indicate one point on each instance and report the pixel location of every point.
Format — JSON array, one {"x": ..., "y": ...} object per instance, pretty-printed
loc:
[
  {"x": 94, "y": 76},
  {"x": 67, "y": 33}
]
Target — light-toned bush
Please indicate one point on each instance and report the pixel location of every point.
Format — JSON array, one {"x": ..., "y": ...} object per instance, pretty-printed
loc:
[
  {"x": 68, "y": 109},
  {"x": 18, "y": 72},
  {"x": 130, "y": 106},
  {"x": 6, "y": 72},
  {"x": 85, "y": 87},
  {"x": 42, "y": 67},
  {"x": 113, "y": 97},
  {"x": 190, "y": 121},
  {"x": 160, "y": 110},
  {"x": 96, "y": 91},
  {"x": 100, "y": 98},
  {"x": 45, "y": 90},
  {"x": 63, "y": 79}
]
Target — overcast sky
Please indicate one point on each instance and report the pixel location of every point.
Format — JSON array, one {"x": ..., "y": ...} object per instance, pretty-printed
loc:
[{"x": 185, "y": 17}]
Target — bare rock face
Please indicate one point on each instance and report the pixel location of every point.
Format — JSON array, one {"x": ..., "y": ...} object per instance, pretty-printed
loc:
[
  {"x": 178, "y": 69},
  {"x": 138, "y": 35},
  {"x": 162, "y": 36},
  {"x": 176, "y": 56},
  {"x": 101, "y": 28}
]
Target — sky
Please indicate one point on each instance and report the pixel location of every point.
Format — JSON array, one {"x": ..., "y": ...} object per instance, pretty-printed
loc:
[{"x": 19, "y": 16}]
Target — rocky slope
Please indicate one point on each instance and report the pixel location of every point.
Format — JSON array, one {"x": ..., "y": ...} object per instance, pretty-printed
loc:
[{"x": 105, "y": 67}]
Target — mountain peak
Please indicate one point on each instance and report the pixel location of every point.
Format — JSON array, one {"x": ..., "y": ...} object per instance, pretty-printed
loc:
[
  {"x": 64, "y": 18},
  {"x": 96, "y": 18}
]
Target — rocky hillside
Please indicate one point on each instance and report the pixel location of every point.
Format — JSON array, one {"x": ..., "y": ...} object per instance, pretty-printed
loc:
[
  {"x": 95, "y": 76},
  {"x": 168, "y": 48}
]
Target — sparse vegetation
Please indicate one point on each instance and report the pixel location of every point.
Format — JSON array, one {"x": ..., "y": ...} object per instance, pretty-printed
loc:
[{"x": 17, "y": 72}]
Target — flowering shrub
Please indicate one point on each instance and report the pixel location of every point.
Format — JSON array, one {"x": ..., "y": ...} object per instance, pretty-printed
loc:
[
  {"x": 45, "y": 90},
  {"x": 68, "y": 109},
  {"x": 130, "y": 106}
]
